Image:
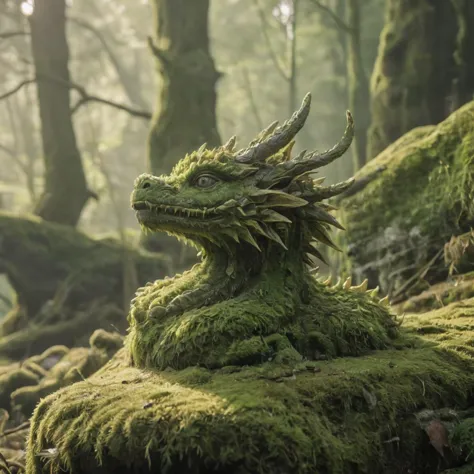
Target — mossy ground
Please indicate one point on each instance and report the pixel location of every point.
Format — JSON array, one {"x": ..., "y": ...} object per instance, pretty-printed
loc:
[{"x": 346, "y": 415}]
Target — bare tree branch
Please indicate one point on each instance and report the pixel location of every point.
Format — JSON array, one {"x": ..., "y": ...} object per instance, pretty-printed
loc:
[
  {"x": 11, "y": 34},
  {"x": 14, "y": 157},
  {"x": 125, "y": 77},
  {"x": 276, "y": 60},
  {"x": 17, "y": 88},
  {"x": 85, "y": 97},
  {"x": 339, "y": 22}
]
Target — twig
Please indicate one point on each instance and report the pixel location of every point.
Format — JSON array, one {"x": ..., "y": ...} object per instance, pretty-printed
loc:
[
  {"x": 21, "y": 427},
  {"x": 85, "y": 96},
  {"x": 276, "y": 60},
  {"x": 92, "y": 98},
  {"x": 11, "y": 34},
  {"x": 17, "y": 88},
  {"x": 126, "y": 79},
  {"x": 420, "y": 274},
  {"x": 339, "y": 22}
]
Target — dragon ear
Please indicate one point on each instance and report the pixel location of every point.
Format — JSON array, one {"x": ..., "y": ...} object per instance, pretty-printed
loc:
[{"x": 274, "y": 139}]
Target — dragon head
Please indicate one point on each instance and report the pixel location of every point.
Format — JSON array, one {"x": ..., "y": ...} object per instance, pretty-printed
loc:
[{"x": 225, "y": 197}]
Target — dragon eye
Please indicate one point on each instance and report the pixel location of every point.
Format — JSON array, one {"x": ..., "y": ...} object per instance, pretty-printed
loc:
[{"x": 205, "y": 181}]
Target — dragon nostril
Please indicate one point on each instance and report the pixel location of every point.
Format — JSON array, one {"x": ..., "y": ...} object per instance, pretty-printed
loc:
[{"x": 146, "y": 185}]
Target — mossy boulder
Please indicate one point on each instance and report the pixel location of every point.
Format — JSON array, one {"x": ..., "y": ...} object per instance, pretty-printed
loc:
[
  {"x": 22, "y": 385},
  {"x": 67, "y": 283},
  {"x": 351, "y": 414},
  {"x": 408, "y": 202}
]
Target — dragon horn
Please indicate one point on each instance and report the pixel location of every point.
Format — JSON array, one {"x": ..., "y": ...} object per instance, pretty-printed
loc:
[
  {"x": 279, "y": 138},
  {"x": 316, "y": 160}
]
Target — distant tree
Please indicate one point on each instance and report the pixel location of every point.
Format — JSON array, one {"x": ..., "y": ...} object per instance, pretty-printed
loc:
[
  {"x": 346, "y": 15},
  {"x": 65, "y": 190},
  {"x": 425, "y": 67},
  {"x": 185, "y": 116}
]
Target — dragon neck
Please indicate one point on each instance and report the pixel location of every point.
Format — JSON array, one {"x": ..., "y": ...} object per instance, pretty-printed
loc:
[{"x": 242, "y": 261}]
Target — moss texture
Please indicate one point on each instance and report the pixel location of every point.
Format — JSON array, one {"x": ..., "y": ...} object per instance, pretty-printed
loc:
[
  {"x": 258, "y": 324},
  {"x": 406, "y": 213},
  {"x": 422, "y": 71},
  {"x": 235, "y": 366},
  {"x": 335, "y": 416},
  {"x": 67, "y": 284},
  {"x": 22, "y": 385}
]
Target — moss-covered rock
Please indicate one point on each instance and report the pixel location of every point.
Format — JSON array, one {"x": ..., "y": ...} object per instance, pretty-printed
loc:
[
  {"x": 67, "y": 284},
  {"x": 456, "y": 288},
  {"x": 22, "y": 385},
  {"x": 344, "y": 415},
  {"x": 413, "y": 197}
]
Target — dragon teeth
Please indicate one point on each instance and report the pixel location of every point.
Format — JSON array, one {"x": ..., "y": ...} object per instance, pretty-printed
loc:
[{"x": 347, "y": 283}]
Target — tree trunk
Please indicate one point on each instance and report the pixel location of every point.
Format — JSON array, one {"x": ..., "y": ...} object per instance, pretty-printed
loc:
[
  {"x": 292, "y": 79},
  {"x": 359, "y": 96},
  {"x": 65, "y": 190},
  {"x": 425, "y": 67},
  {"x": 185, "y": 116}
]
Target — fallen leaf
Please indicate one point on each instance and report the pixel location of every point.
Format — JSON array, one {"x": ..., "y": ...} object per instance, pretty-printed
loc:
[{"x": 438, "y": 435}]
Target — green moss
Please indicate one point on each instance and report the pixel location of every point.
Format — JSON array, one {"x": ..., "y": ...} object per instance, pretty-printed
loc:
[
  {"x": 10, "y": 381},
  {"x": 259, "y": 324},
  {"x": 440, "y": 295},
  {"x": 67, "y": 283},
  {"x": 408, "y": 89},
  {"x": 22, "y": 386},
  {"x": 406, "y": 213},
  {"x": 428, "y": 182},
  {"x": 332, "y": 416},
  {"x": 463, "y": 439}
]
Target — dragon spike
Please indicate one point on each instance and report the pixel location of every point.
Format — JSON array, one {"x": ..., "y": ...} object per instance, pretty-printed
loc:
[
  {"x": 338, "y": 284},
  {"x": 202, "y": 148},
  {"x": 317, "y": 160},
  {"x": 328, "y": 281},
  {"x": 280, "y": 137},
  {"x": 229, "y": 146},
  {"x": 362, "y": 288},
  {"x": 347, "y": 283},
  {"x": 385, "y": 301},
  {"x": 373, "y": 293},
  {"x": 314, "y": 270}
]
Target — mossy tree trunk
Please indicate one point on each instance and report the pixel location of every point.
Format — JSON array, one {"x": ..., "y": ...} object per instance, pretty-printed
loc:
[
  {"x": 185, "y": 116},
  {"x": 65, "y": 190},
  {"x": 424, "y": 69},
  {"x": 358, "y": 84}
]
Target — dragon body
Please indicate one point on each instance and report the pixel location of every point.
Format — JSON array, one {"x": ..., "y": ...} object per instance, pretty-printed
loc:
[
  {"x": 223, "y": 368},
  {"x": 257, "y": 217}
]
